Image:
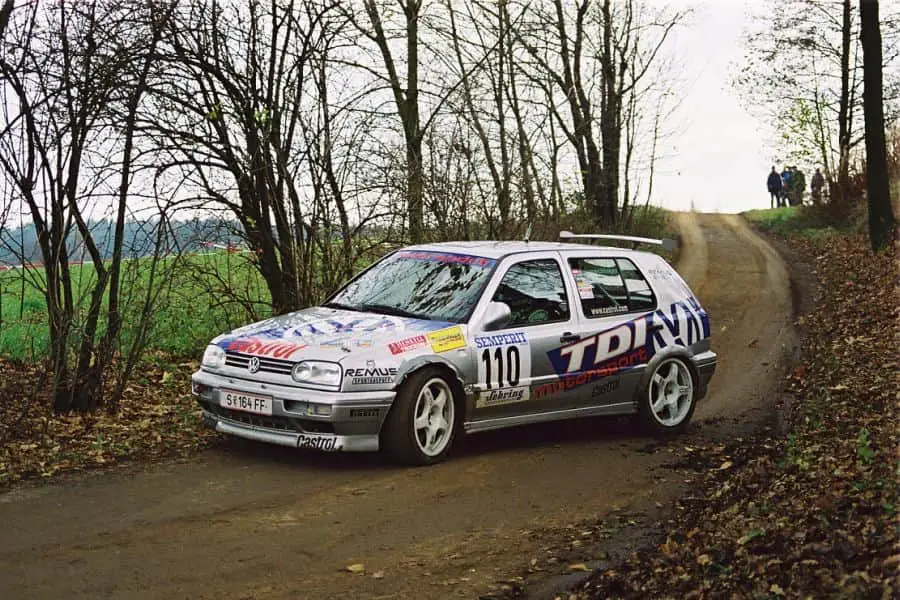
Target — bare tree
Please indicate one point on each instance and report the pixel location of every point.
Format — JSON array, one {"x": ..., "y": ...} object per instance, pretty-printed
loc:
[
  {"x": 881, "y": 215},
  {"x": 803, "y": 71},
  {"x": 229, "y": 109},
  {"x": 68, "y": 68}
]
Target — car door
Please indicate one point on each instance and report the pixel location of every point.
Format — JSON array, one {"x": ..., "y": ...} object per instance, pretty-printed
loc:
[
  {"x": 514, "y": 361},
  {"x": 603, "y": 366}
]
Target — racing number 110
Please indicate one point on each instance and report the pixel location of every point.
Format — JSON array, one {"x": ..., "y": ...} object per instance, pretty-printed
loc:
[{"x": 512, "y": 366}]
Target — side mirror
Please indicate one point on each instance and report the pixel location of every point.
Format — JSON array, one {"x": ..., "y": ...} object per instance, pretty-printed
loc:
[{"x": 496, "y": 316}]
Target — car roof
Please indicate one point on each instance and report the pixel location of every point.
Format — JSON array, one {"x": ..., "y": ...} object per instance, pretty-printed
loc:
[{"x": 500, "y": 249}]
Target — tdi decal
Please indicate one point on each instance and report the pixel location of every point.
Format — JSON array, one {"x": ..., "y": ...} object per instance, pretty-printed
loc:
[
  {"x": 370, "y": 376},
  {"x": 318, "y": 442},
  {"x": 631, "y": 343},
  {"x": 500, "y": 397},
  {"x": 683, "y": 324},
  {"x": 447, "y": 339}
]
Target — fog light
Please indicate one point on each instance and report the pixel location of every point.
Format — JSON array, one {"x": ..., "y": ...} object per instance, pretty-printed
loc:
[{"x": 319, "y": 410}]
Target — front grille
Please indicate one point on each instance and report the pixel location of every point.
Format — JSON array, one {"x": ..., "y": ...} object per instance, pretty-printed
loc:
[
  {"x": 276, "y": 422},
  {"x": 266, "y": 365}
]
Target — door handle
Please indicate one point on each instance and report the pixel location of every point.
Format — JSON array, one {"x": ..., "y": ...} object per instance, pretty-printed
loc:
[{"x": 568, "y": 337}]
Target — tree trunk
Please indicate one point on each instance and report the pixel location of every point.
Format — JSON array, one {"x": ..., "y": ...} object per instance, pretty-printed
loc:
[
  {"x": 881, "y": 216},
  {"x": 844, "y": 108}
]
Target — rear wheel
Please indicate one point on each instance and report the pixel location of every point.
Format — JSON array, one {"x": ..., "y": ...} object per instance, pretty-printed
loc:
[
  {"x": 422, "y": 423},
  {"x": 666, "y": 404}
]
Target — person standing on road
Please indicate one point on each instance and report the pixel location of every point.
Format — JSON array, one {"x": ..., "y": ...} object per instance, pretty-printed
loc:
[
  {"x": 798, "y": 183},
  {"x": 775, "y": 185},
  {"x": 786, "y": 176},
  {"x": 815, "y": 185}
]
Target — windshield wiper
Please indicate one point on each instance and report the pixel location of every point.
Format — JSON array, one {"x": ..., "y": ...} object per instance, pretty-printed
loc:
[
  {"x": 341, "y": 306},
  {"x": 387, "y": 309}
]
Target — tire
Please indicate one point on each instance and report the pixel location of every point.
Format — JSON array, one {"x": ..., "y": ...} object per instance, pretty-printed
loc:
[
  {"x": 422, "y": 423},
  {"x": 666, "y": 403}
]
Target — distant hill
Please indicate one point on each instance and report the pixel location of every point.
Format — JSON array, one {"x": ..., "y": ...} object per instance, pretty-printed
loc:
[{"x": 20, "y": 244}]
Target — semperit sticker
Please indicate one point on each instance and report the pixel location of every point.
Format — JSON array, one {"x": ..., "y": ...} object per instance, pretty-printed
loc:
[{"x": 447, "y": 339}]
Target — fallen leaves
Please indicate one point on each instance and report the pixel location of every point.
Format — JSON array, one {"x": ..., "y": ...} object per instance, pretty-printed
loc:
[
  {"x": 812, "y": 513},
  {"x": 158, "y": 419}
]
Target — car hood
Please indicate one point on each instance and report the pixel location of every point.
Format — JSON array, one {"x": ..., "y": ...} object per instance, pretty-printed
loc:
[{"x": 331, "y": 334}]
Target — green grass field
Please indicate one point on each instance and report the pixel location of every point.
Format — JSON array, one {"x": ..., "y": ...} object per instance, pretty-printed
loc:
[
  {"x": 803, "y": 220},
  {"x": 196, "y": 302},
  {"x": 200, "y": 296}
]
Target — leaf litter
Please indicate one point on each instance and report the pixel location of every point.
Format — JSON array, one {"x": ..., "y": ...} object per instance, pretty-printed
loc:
[
  {"x": 809, "y": 513},
  {"x": 157, "y": 419}
]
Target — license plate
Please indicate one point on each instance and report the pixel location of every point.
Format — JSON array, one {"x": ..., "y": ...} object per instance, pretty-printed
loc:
[{"x": 251, "y": 403}]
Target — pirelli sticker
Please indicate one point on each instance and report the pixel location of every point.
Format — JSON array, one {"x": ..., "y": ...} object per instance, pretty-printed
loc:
[{"x": 444, "y": 340}]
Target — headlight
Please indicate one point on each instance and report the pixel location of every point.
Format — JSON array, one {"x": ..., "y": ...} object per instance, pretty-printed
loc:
[
  {"x": 214, "y": 357},
  {"x": 317, "y": 372}
]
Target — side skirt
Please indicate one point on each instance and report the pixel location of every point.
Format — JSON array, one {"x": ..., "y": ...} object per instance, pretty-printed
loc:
[{"x": 622, "y": 408}]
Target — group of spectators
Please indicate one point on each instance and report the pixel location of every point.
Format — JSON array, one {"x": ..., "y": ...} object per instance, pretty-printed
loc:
[{"x": 787, "y": 188}]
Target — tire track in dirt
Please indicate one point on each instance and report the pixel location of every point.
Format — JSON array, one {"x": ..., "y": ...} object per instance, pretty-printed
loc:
[{"x": 746, "y": 288}]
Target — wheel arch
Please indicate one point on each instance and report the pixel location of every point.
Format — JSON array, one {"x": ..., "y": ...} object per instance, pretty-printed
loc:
[
  {"x": 452, "y": 372},
  {"x": 666, "y": 353}
]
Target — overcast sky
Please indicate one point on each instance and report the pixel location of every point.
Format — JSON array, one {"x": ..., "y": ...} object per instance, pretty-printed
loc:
[{"x": 720, "y": 156}]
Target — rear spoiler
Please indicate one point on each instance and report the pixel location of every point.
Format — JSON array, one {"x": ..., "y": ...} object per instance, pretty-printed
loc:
[{"x": 667, "y": 244}]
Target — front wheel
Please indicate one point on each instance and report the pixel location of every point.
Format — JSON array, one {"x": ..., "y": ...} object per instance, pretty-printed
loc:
[
  {"x": 666, "y": 403},
  {"x": 422, "y": 423}
]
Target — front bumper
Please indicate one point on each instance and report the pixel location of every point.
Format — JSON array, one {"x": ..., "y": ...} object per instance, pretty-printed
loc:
[{"x": 352, "y": 423}]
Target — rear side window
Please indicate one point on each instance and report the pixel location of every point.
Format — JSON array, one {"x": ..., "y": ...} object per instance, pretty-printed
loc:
[{"x": 608, "y": 286}]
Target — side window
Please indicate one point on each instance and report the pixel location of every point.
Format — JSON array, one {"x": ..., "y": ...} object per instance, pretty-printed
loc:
[
  {"x": 535, "y": 292},
  {"x": 640, "y": 295},
  {"x": 609, "y": 286}
]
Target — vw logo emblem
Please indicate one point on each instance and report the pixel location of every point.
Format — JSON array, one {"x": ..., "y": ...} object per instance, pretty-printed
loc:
[{"x": 253, "y": 365}]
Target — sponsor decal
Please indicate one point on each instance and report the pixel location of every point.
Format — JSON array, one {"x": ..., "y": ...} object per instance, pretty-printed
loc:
[
  {"x": 258, "y": 347},
  {"x": 631, "y": 343},
  {"x": 371, "y": 376},
  {"x": 412, "y": 343},
  {"x": 606, "y": 387},
  {"x": 571, "y": 382},
  {"x": 659, "y": 273},
  {"x": 328, "y": 443},
  {"x": 576, "y": 380},
  {"x": 505, "y": 396},
  {"x": 447, "y": 257},
  {"x": 364, "y": 413},
  {"x": 447, "y": 339},
  {"x": 503, "y": 361},
  {"x": 335, "y": 327},
  {"x": 501, "y": 339},
  {"x": 347, "y": 343},
  {"x": 608, "y": 310}
]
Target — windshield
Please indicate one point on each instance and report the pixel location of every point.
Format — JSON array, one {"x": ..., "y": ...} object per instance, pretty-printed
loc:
[{"x": 436, "y": 286}]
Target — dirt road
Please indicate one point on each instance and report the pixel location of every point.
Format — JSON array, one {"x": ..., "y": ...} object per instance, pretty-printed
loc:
[{"x": 252, "y": 521}]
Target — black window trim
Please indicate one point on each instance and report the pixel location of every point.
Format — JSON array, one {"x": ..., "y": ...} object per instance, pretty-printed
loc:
[{"x": 615, "y": 260}]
